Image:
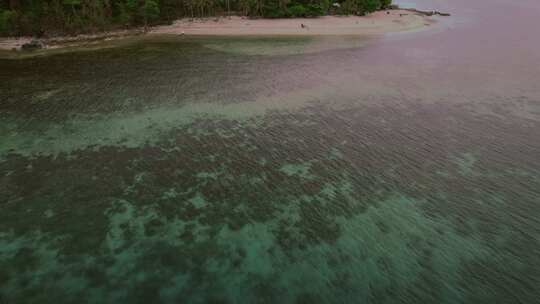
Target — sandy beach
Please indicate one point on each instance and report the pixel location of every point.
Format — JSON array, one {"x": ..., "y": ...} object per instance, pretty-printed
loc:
[
  {"x": 377, "y": 23},
  {"x": 374, "y": 24}
]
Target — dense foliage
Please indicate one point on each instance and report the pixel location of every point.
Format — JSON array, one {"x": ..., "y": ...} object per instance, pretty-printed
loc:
[{"x": 24, "y": 17}]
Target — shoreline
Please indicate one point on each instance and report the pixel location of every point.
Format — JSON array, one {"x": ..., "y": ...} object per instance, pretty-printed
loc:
[{"x": 377, "y": 23}]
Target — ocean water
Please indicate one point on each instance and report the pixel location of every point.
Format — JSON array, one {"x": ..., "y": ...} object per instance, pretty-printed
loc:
[{"x": 398, "y": 169}]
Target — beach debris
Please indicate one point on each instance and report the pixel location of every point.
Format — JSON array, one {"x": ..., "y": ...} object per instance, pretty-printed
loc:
[{"x": 302, "y": 25}]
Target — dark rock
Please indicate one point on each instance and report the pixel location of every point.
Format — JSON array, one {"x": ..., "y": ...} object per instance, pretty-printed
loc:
[
  {"x": 32, "y": 45},
  {"x": 427, "y": 13}
]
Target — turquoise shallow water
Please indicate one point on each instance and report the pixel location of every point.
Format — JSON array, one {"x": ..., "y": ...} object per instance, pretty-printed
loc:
[{"x": 275, "y": 170}]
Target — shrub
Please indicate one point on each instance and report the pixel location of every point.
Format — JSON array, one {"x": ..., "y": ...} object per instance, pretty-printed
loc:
[
  {"x": 272, "y": 11},
  {"x": 371, "y": 6},
  {"x": 315, "y": 10},
  {"x": 7, "y": 21},
  {"x": 307, "y": 10},
  {"x": 385, "y": 3},
  {"x": 150, "y": 11},
  {"x": 298, "y": 10}
]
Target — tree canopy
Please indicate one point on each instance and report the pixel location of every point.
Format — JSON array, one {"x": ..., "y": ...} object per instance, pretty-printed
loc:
[{"x": 35, "y": 17}]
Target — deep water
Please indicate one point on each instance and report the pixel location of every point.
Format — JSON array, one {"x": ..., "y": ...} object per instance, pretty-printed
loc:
[{"x": 271, "y": 170}]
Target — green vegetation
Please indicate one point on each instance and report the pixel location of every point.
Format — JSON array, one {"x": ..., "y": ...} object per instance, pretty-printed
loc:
[{"x": 53, "y": 17}]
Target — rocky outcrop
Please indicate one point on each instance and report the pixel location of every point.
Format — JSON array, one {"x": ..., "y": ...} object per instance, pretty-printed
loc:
[
  {"x": 427, "y": 13},
  {"x": 35, "y": 44}
]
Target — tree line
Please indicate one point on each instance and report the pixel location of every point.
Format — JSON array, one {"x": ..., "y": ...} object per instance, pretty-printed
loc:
[{"x": 54, "y": 17}]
